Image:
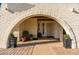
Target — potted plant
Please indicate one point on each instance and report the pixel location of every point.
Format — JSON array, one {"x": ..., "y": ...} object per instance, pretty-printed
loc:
[
  {"x": 12, "y": 41},
  {"x": 39, "y": 35},
  {"x": 31, "y": 36},
  {"x": 67, "y": 41},
  {"x": 25, "y": 36}
]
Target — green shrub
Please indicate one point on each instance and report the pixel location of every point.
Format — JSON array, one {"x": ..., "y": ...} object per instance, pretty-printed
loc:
[
  {"x": 12, "y": 35},
  {"x": 25, "y": 33},
  {"x": 66, "y": 36}
]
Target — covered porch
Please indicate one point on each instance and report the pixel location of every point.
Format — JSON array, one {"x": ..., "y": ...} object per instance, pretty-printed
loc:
[{"x": 42, "y": 29}]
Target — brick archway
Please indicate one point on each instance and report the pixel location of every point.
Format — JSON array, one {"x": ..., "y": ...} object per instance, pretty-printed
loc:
[{"x": 17, "y": 18}]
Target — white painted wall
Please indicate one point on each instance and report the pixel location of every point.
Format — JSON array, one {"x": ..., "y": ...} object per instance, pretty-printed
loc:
[
  {"x": 29, "y": 25},
  {"x": 16, "y": 32},
  {"x": 51, "y": 28},
  {"x": 56, "y": 30},
  {"x": 47, "y": 27}
]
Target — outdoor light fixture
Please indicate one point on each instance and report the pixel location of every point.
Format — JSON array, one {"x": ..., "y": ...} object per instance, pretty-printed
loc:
[
  {"x": 75, "y": 10},
  {"x": 9, "y": 10}
]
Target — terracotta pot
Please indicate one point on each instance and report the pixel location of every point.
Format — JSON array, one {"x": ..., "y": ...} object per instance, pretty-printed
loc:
[{"x": 23, "y": 39}]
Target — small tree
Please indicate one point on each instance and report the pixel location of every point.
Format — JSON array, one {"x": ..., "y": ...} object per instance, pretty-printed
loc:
[
  {"x": 67, "y": 41},
  {"x": 25, "y": 36},
  {"x": 12, "y": 35},
  {"x": 66, "y": 37}
]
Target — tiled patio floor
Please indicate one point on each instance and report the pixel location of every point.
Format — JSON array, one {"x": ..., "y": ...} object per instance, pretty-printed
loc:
[{"x": 49, "y": 48}]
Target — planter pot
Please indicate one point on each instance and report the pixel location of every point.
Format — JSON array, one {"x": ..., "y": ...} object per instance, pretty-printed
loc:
[
  {"x": 67, "y": 43},
  {"x": 35, "y": 38},
  {"x": 23, "y": 39},
  {"x": 12, "y": 42}
]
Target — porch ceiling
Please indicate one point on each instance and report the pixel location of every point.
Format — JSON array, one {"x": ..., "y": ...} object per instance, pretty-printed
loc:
[{"x": 43, "y": 18}]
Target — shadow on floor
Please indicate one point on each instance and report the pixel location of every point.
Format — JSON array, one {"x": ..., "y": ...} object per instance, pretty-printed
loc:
[{"x": 36, "y": 43}]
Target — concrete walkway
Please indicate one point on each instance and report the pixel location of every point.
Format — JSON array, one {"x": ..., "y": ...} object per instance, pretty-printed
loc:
[{"x": 47, "y": 47}]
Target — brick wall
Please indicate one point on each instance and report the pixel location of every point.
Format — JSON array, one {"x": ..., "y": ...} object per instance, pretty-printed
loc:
[{"x": 62, "y": 14}]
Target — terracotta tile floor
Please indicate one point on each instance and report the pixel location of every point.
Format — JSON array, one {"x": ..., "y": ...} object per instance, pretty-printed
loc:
[{"x": 39, "y": 47}]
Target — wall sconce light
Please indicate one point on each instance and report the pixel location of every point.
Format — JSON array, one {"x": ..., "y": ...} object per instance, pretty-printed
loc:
[
  {"x": 9, "y": 10},
  {"x": 75, "y": 10}
]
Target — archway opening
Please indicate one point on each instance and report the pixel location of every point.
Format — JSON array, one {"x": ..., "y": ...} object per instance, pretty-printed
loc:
[{"x": 41, "y": 30}]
